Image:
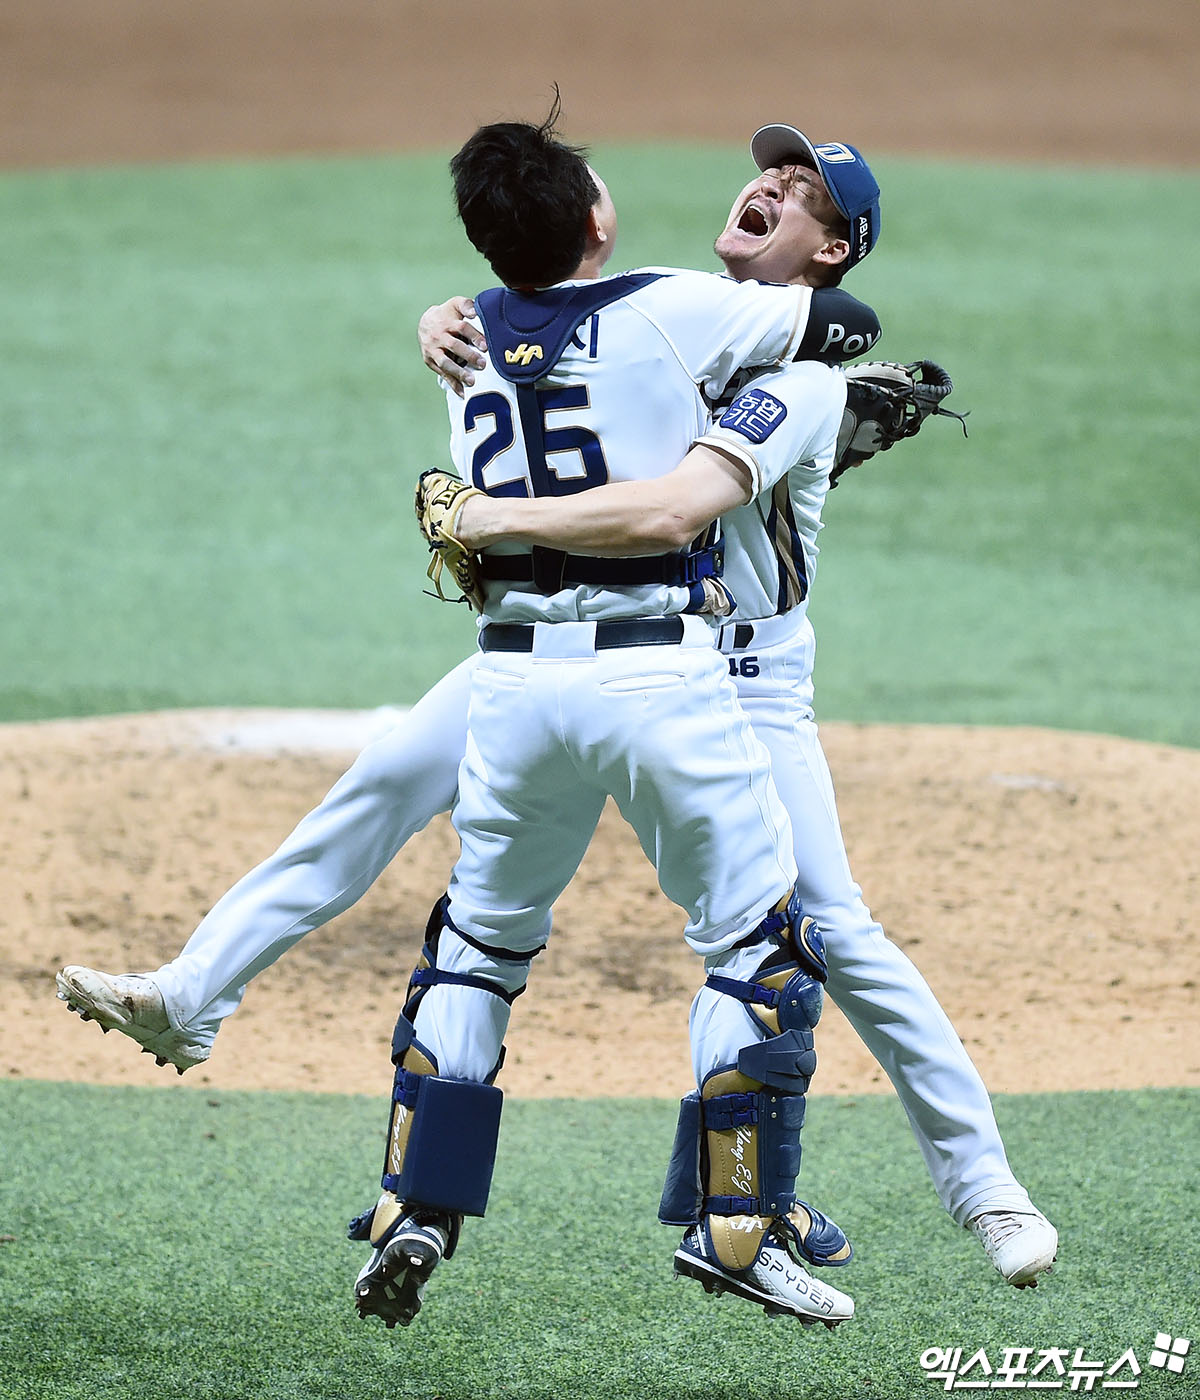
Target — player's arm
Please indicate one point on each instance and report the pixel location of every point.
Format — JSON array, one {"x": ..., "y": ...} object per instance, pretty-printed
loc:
[
  {"x": 622, "y": 519},
  {"x": 717, "y": 325}
]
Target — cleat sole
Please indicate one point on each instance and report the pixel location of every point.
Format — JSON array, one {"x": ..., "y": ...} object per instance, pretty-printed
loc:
[
  {"x": 167, "y": 1046},
  {"x": 1033, "y": 1282},
  {"x": 716, "y": 1286}
]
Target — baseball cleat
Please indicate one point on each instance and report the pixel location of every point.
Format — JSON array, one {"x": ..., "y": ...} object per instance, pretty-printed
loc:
[
  {"x": 133, "y": 1005},
  {"x": 1021, "y": 1243},
  {"x": 391, "y": 1284},
  {"x": 774, "y": 1280}
]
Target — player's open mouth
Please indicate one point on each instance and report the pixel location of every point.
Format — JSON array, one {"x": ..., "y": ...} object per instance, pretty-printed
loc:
[{"x": 753, "y": 222}]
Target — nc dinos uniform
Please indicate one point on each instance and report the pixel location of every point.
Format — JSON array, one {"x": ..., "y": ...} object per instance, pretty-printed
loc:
[
  {"x": 611, "y": 380},
  {"x": 599, "y": 678},
  {"x": 770, "y": 561},
  {"x": 596, "y": 679},
  {"x": 409, "y": 775}
]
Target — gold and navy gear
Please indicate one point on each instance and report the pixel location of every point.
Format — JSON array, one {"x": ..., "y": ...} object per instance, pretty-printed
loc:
[{"x": 737, "y": 1146}]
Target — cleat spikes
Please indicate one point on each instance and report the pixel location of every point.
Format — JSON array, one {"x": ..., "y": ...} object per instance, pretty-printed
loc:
[{"x": 132, "y": 1004}]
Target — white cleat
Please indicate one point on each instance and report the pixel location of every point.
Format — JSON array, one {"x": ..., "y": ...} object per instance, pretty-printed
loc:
[
  {"x": 1021, "y": 1243},
  {"x": 133, "y": 1005},
  {"x": 775, "y": 1281}
]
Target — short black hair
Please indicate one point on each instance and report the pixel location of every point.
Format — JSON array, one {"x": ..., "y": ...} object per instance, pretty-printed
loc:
[{"x": 523, "y": 197}]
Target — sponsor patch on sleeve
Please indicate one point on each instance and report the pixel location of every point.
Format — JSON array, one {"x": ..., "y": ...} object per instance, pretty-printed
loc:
[{"x": 755, "y": 414}]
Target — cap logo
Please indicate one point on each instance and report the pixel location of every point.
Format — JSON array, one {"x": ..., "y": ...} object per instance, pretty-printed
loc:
[
  {"x": 835, "y": 153},
  {"x": 862, "y": 236}
]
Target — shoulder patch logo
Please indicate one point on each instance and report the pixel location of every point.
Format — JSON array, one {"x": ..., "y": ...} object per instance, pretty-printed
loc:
[
  {"x": 524, "y": 354},
  {"x": 755, "y": 414}
]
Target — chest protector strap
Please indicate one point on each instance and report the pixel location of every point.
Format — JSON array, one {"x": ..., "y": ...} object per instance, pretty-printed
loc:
[
  {"x": 527, "y": 332},
  {"x": 551, "y": 569}
]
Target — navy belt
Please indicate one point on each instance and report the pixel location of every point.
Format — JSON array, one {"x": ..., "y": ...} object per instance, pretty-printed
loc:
[{"x": 639, "y": 632}]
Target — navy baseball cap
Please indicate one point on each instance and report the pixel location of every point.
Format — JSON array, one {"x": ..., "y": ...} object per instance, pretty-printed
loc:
[{"x": 847, "y": 177}]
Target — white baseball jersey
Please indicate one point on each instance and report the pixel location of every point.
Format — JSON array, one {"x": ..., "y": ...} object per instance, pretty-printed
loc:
[
  {"x": 624, "y": 401},
  {"x": 783, "y": 427}
]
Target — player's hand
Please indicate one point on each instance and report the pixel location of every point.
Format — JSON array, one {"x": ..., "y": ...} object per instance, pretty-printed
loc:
[{"x": 450, "y": 344}]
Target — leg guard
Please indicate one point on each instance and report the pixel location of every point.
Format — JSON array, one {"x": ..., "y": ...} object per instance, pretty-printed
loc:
[
  {"x": 443, "y": 1132},
  {"x": 442, "y": 1138},
  {"x": 737, "y": 1146}
]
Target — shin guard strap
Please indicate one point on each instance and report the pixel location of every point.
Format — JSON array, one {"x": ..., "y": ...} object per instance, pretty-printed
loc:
[
  {"x": 750, "y": 992},
  {"x": 435, "y": 977},
  {"x": 734, "y": 1205},
  {"x": 730, "y": 1111}
]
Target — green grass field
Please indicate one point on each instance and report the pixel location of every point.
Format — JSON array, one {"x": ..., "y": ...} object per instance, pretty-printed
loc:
[
  {"x": 211, "y": 413},
  {"x": 187, "y": 1243}
]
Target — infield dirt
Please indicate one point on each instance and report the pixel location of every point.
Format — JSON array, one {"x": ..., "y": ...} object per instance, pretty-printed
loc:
[{"x": 1046, "y": 883}]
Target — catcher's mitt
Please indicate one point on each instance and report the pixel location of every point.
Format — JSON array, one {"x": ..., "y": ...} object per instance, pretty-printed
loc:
[
  {"x": 886, "y": 402},
  {"x": 438, "y": 500}
]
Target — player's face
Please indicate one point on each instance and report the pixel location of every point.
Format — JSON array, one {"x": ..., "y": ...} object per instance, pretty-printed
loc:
[{"x": 777, "y": 226}]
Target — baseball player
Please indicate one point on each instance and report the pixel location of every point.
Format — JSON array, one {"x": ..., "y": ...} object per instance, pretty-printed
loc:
[
  {"x": 771, "y": 552},
  {"x": 406, "y": 777},
  {"x": 598, "y": 678}
]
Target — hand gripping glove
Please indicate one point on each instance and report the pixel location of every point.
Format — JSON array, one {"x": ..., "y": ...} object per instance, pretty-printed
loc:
[
  {"x": 886, "y": 402},
  {"x": 438, "y": 500}
]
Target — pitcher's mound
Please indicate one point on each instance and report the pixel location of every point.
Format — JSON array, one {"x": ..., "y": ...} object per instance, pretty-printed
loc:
[{"x": 1046, "y": 884}]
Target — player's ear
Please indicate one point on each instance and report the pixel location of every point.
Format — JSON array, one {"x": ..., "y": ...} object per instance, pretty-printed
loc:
[
  {"x": 837, "y": 250},
  {"x": 597, "y": 234}
]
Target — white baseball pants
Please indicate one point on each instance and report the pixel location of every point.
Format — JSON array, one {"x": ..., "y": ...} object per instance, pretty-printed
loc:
[
  {"x": 553, "y": 733},
  {"x": 403, "y": 780}
]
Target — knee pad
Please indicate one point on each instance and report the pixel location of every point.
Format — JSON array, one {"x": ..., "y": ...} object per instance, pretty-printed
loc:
[{"x": 783, "y": 998}]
